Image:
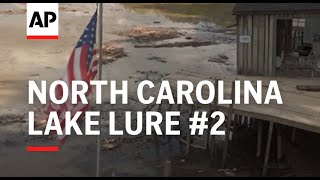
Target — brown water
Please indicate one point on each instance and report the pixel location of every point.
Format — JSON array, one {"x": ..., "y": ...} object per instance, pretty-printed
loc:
[{"x": 218, "y": 13}]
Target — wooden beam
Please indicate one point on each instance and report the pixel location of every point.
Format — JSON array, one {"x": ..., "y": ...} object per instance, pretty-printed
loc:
[{"x": 259, "y": 143}]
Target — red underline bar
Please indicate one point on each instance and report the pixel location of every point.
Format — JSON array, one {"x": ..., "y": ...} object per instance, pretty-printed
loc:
[
  {"x": 42, "y": 37},
  {"x": 42, "y": 148}
]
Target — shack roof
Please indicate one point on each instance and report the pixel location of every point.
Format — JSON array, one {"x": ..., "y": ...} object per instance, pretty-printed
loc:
[{"x": 253, "y": 8}]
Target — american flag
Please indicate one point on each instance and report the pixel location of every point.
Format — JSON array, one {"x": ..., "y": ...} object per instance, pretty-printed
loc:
[{"x": 82, "y": 66}]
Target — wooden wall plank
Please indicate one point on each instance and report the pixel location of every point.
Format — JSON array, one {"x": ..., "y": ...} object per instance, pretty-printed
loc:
[
  {"x": 245, "y": 46},
  {"x": 255, "y": 39},
  {"x": 266, "y": 37},
  {"x": 240, "y": 58},
  {"x": 261, "y": 45},
  {"x": 271, "y": 45},
  {"x": 250, "y": 63}
]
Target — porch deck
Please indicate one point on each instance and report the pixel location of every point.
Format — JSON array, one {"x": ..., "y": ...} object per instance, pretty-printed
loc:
[{"x": 300, "y": 109}]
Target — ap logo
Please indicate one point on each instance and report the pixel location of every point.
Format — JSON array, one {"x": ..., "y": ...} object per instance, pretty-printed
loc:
[{"x": 42, "y": 20}]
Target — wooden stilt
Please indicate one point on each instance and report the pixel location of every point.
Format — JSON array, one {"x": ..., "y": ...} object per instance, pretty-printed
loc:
[
  {"x": 236, "y": 122},
  {"x": 293, "y": 135},
  {"x": 156, "y": 145},
  {"x": 178, "y": 119},
  {"x": 259, "y": 144},
  {"x": 266, "y": 157},
  {"x": 212, "y": 139},
  {"x": 227, "y": 133},
  {"x": 191, "y": 111},
  {"x": 155, "y": 138},
  {"x": 169, "y": 139},
  {"x": 279, "y": 142},
  {"x": 167, "y": 168},
  {"x": 243, "y": 120},
  {"x": 209, "y": 111}
]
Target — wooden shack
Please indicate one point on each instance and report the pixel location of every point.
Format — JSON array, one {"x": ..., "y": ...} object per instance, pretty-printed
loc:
[{"x": 267, "y": 33}]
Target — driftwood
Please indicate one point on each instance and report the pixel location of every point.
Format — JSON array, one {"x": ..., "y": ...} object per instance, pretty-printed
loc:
[
  {"x": 308, "y": 87},
  {"x": 177, "y": 44},
  {"x": 150, "y": 34}
]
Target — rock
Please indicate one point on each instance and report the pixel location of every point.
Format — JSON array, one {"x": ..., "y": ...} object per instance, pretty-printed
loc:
[
  {"x": 228, "y": 172},
  {"x": 110, "y": 144},
  {"x": 201, "y": 171},
  {"x": 188, "y": 38}
]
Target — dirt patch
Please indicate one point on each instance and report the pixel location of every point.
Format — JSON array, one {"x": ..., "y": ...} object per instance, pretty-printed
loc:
[
  {"x": 154, "y": 76},
  {"x": 17, "y": 11},
  {"x": 112, "y": 51},
  {"x": 177, "y": 44},
  {"x": 158, "y": 59},
  {"x": 147, "y": 34},
  {"x": 12, "y": 118}
]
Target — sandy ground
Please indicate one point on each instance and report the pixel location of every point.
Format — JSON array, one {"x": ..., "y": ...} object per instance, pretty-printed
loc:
[{"x": 22, "y": 60}]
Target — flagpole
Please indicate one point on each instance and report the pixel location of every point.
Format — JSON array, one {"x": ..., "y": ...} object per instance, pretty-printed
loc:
[{"x": 99, "y": 78}]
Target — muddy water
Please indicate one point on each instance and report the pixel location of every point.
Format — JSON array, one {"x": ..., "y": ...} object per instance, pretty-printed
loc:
[{"x": 218, "y": 13}]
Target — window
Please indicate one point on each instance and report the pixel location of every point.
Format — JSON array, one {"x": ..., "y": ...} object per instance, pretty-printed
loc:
[{"x": 298, "y": 22}]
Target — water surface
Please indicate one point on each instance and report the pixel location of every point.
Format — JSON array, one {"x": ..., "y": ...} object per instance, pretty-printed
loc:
[{"x": 218, "y": 13}]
